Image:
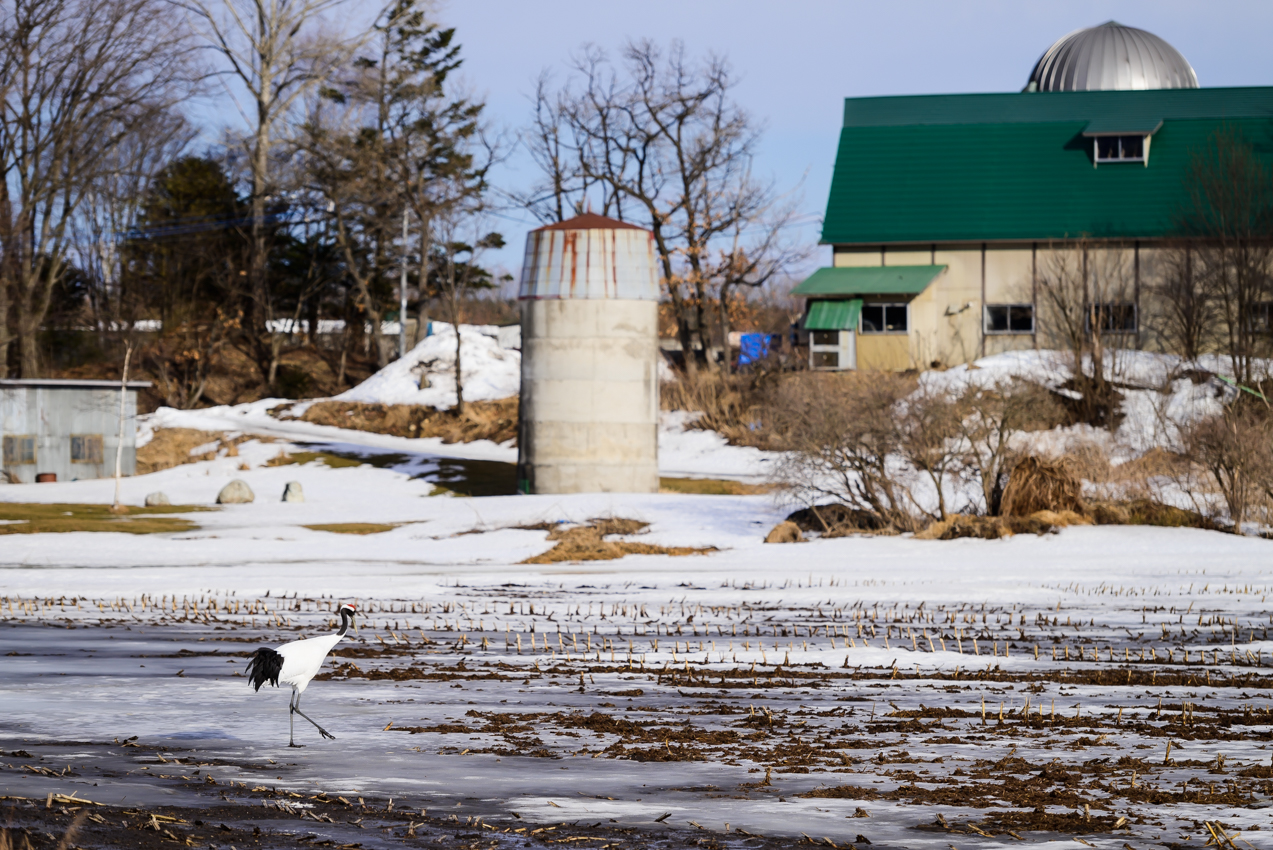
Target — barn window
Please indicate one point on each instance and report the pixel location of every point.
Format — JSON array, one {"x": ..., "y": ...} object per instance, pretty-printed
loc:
[
  {"x": 1120, "y": 148},
  {"x": 86, "y": 448},
  {"x": 19, "y": 450},
  {"x": 1113, "y": 318},
  {"x": 1009, "y": 318},
  {"x": 883, "y": 318}
]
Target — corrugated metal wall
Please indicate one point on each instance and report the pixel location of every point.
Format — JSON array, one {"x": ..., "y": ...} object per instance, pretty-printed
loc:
[{"x": 55, "y": 415}]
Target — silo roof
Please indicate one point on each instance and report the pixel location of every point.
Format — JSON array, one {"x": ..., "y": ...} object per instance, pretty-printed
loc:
[{"x": 591, "y": 221}]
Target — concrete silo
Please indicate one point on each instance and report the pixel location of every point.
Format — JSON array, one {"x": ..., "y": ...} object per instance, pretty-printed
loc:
[{"x": 590, "y": 390}]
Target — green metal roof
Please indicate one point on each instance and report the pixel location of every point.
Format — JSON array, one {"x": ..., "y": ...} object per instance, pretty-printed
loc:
[
  {"x": 833, "y": 315},
  {"x": 991, "y": 167},
  {"x": 869, "y": 280},
  {"x": 1122, "y": 126}
]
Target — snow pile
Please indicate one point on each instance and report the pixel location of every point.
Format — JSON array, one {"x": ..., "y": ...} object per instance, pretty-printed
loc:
[
  {"x": 1162, "y": 393},
  {"x": 426, "y": 376}
]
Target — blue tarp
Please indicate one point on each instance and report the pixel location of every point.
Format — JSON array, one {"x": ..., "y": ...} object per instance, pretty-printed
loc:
[{"x": 753, "y": 347}]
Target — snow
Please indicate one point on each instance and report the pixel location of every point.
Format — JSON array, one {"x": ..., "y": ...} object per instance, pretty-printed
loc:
[
  {"x": 1106, "y": 575},
  {"x": 426, "y": 375}
]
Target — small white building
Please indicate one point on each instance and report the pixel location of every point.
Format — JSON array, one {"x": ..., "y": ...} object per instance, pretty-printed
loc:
[{"x": 68, "y": 429}]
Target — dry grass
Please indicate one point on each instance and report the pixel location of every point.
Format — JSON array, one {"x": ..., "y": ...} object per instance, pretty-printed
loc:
[
  {"x": 996, "y": 527},
  {"x": 171, "y": 447},
  {"x": 1037, "y": 484},
  {"x": 482, "y": 420},
  {"x": 354, "y": 527},
  {"x": 27, "y": 518},
  {"x": 588, "y": 543},
  {"x": 1149, "y": 512},
  {"x": 728, "y": 405},
  {"x": 713, "y": 487}
]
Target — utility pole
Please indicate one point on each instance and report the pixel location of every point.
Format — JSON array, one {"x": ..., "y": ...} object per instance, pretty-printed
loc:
[{"x": 402, "y": 293}]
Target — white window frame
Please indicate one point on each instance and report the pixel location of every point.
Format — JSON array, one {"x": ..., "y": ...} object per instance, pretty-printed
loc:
[
  {"x": 1097, "y": 159},
  {"x": 985, "y": 320}
]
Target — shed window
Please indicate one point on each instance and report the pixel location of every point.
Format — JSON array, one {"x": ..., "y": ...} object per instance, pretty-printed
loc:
[
  {"x": 19, "y": 450},
  {"x": 825, "y": 360},
  {"x": 86, "y": 448},
  {"x": 1009, "y": 318},
  {"x": 1120, "y": 148},
  {"x": 883, "y": 318},
  {"x": 1113, "y": 318}
]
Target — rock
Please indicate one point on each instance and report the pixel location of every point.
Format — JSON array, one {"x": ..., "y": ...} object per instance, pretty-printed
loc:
[
  {"x": 293, "y": 492},
  {"x": 237, "y": 492},
  {"x": 157, "y": 498},
  {"x": 785, "y": 532}
]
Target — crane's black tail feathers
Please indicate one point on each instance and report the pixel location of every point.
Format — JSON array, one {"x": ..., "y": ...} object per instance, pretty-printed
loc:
[{"x": 264, "y": 666}]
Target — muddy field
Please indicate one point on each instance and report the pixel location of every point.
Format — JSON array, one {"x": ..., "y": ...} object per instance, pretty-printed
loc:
[{"x": 589, "y": 714}]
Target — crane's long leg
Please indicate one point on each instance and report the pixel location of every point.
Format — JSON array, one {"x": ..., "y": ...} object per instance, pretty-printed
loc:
[
  {"x": 297, "y": 709},
  {"x": 291, "y": 722}
]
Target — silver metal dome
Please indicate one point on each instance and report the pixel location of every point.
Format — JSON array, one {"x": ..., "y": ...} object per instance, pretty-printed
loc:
[{"x": 1111, "y": 57}]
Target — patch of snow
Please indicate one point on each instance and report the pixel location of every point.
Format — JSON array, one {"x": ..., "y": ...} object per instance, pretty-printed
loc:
[{"x": 426, "y": 375}]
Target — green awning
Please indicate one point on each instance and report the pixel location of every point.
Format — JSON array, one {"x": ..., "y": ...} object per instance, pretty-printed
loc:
[
  {"x": 833, "y": 315},
  {"x": 869, "y": 280},
  {"x": 1111, "y": 126}
]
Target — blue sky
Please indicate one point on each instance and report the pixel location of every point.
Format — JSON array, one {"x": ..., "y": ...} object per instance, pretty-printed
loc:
[{"x": 798, "y": 59}]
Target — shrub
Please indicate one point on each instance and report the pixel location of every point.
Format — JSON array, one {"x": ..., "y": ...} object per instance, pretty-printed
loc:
[
  {"x": 842, "y": 436},
  {"x": 1235, "y": 451}
]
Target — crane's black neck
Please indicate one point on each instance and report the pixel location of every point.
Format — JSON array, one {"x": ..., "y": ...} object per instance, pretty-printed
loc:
[{"x": 345, "y": 619}]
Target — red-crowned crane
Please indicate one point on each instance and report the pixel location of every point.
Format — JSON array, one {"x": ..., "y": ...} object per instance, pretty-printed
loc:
[{"x": 295, "y": 664}]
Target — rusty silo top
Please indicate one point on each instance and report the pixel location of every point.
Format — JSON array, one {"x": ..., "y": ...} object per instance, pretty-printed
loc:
[{"x": 590, "y": 257}]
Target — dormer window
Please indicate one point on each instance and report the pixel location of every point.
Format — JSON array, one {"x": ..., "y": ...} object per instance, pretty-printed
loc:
[
  {"x": 1120, "y": 148},
  {"x": 1121, "y": 139}
]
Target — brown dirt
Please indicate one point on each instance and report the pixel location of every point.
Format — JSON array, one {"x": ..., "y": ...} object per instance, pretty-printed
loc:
[
  {"x": 482, "y": 420},
  {"x": 353, "y": 527},
  {"x": 1037, "y": 484},
  {"x": 712, "y": 487},
  {"x": 836, "y": 520},
  {"x": 588, "y": 543}
]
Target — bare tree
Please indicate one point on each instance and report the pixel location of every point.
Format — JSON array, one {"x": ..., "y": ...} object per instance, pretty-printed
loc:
[
  {"x": 661, "y": 142},
  {"x": 1230, "y": 214},
  {"x": 277, "y": 51},
  {"x": 929, "y": 430},
  {"x": 841, "y": 439},
  {"x": 1236, "y": 450},
  {"x": 990, "y": 418},
  {"x": 1184, "y": 315},
  {"x": 1087, "y": 306},
  {"x": 78, "y": 81},
  {"x": 457, "y": 277}
]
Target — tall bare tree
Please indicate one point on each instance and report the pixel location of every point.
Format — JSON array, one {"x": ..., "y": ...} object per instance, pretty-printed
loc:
[
  {"x": 1184, "y": 306},
  {"x": 79, "y": 79},
  {"x": 1230, "y": 216},
  {"x": 276, "y": 51},
  {"x": 1087, "y": 305},
  {"x": 659, "y": 140}
]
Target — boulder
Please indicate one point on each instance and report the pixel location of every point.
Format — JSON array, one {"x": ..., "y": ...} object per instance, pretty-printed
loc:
[
  {"x": 157, "y": 498},
  {"x": 293, "y": 492},
  {"x": 785, "y": 532},
  {"x": 237, "y": 492}
]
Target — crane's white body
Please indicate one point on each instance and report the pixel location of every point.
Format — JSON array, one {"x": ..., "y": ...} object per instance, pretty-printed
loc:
[
  {"x": 296, "y": 664},
  {"x": 302, "y": 659}
]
